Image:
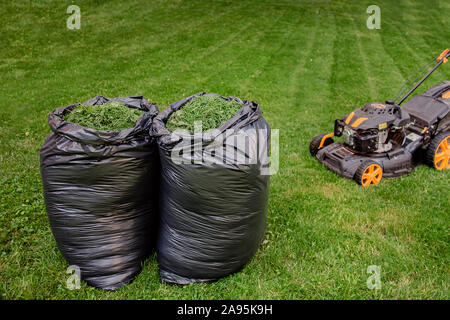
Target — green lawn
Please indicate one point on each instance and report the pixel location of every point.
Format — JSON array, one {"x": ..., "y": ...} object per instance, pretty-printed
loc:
[{"x": 306, "y": 63}]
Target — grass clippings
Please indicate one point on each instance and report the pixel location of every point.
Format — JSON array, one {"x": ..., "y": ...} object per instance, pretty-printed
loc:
[
  {"x": 113, "y": 116},
  {"x": 212, "y": 111}
]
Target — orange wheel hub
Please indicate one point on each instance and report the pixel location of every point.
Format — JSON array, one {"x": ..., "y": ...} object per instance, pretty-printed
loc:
[
  {"x": 372, "y": 175},
  {"x": 446, "y": 95},
  {"x": 442, "y": 155}
]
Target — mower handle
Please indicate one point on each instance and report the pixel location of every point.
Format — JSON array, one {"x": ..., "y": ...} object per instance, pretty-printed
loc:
[
  {"x": 443, "y": 58},
  {"x": 444, "y": 55}
]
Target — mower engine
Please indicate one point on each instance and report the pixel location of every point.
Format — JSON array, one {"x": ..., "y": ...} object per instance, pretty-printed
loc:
[{"x": 374, "y": 128}]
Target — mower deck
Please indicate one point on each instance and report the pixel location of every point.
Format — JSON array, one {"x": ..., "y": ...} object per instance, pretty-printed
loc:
[{"x": 345, "y": 162}]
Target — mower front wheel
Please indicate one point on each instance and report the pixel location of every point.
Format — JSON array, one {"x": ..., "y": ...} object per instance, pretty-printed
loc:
[
  {"x": 369, "y": 172},
  {"x": 438, "y": 152},
  {"x": 315, "y": 146}
]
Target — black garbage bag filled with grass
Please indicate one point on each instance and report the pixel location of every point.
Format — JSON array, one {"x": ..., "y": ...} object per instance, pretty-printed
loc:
[
  {"x": 214, "y": 186},
  {"x": 100, "y": 174}
]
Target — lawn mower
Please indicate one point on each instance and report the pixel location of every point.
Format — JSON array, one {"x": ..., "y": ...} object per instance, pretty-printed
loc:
[{"x": 386, "y": 140}]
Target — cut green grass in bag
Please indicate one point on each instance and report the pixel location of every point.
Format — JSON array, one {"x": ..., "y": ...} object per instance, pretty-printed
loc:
[
  {"x": 113, "y": 116},
  {"x": 211, "y": 110}
]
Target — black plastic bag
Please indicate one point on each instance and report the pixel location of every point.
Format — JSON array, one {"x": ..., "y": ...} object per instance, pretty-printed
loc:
[
  {"x": 213, "y": 205},
  {"x": 100, "y": 190}
]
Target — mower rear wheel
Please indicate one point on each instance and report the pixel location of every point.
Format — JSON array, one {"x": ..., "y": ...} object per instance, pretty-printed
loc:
[
  {"x": 369, "y": 172},
  {"x": 438, "y": 152},
  {"x": 315, "y": 143}
]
